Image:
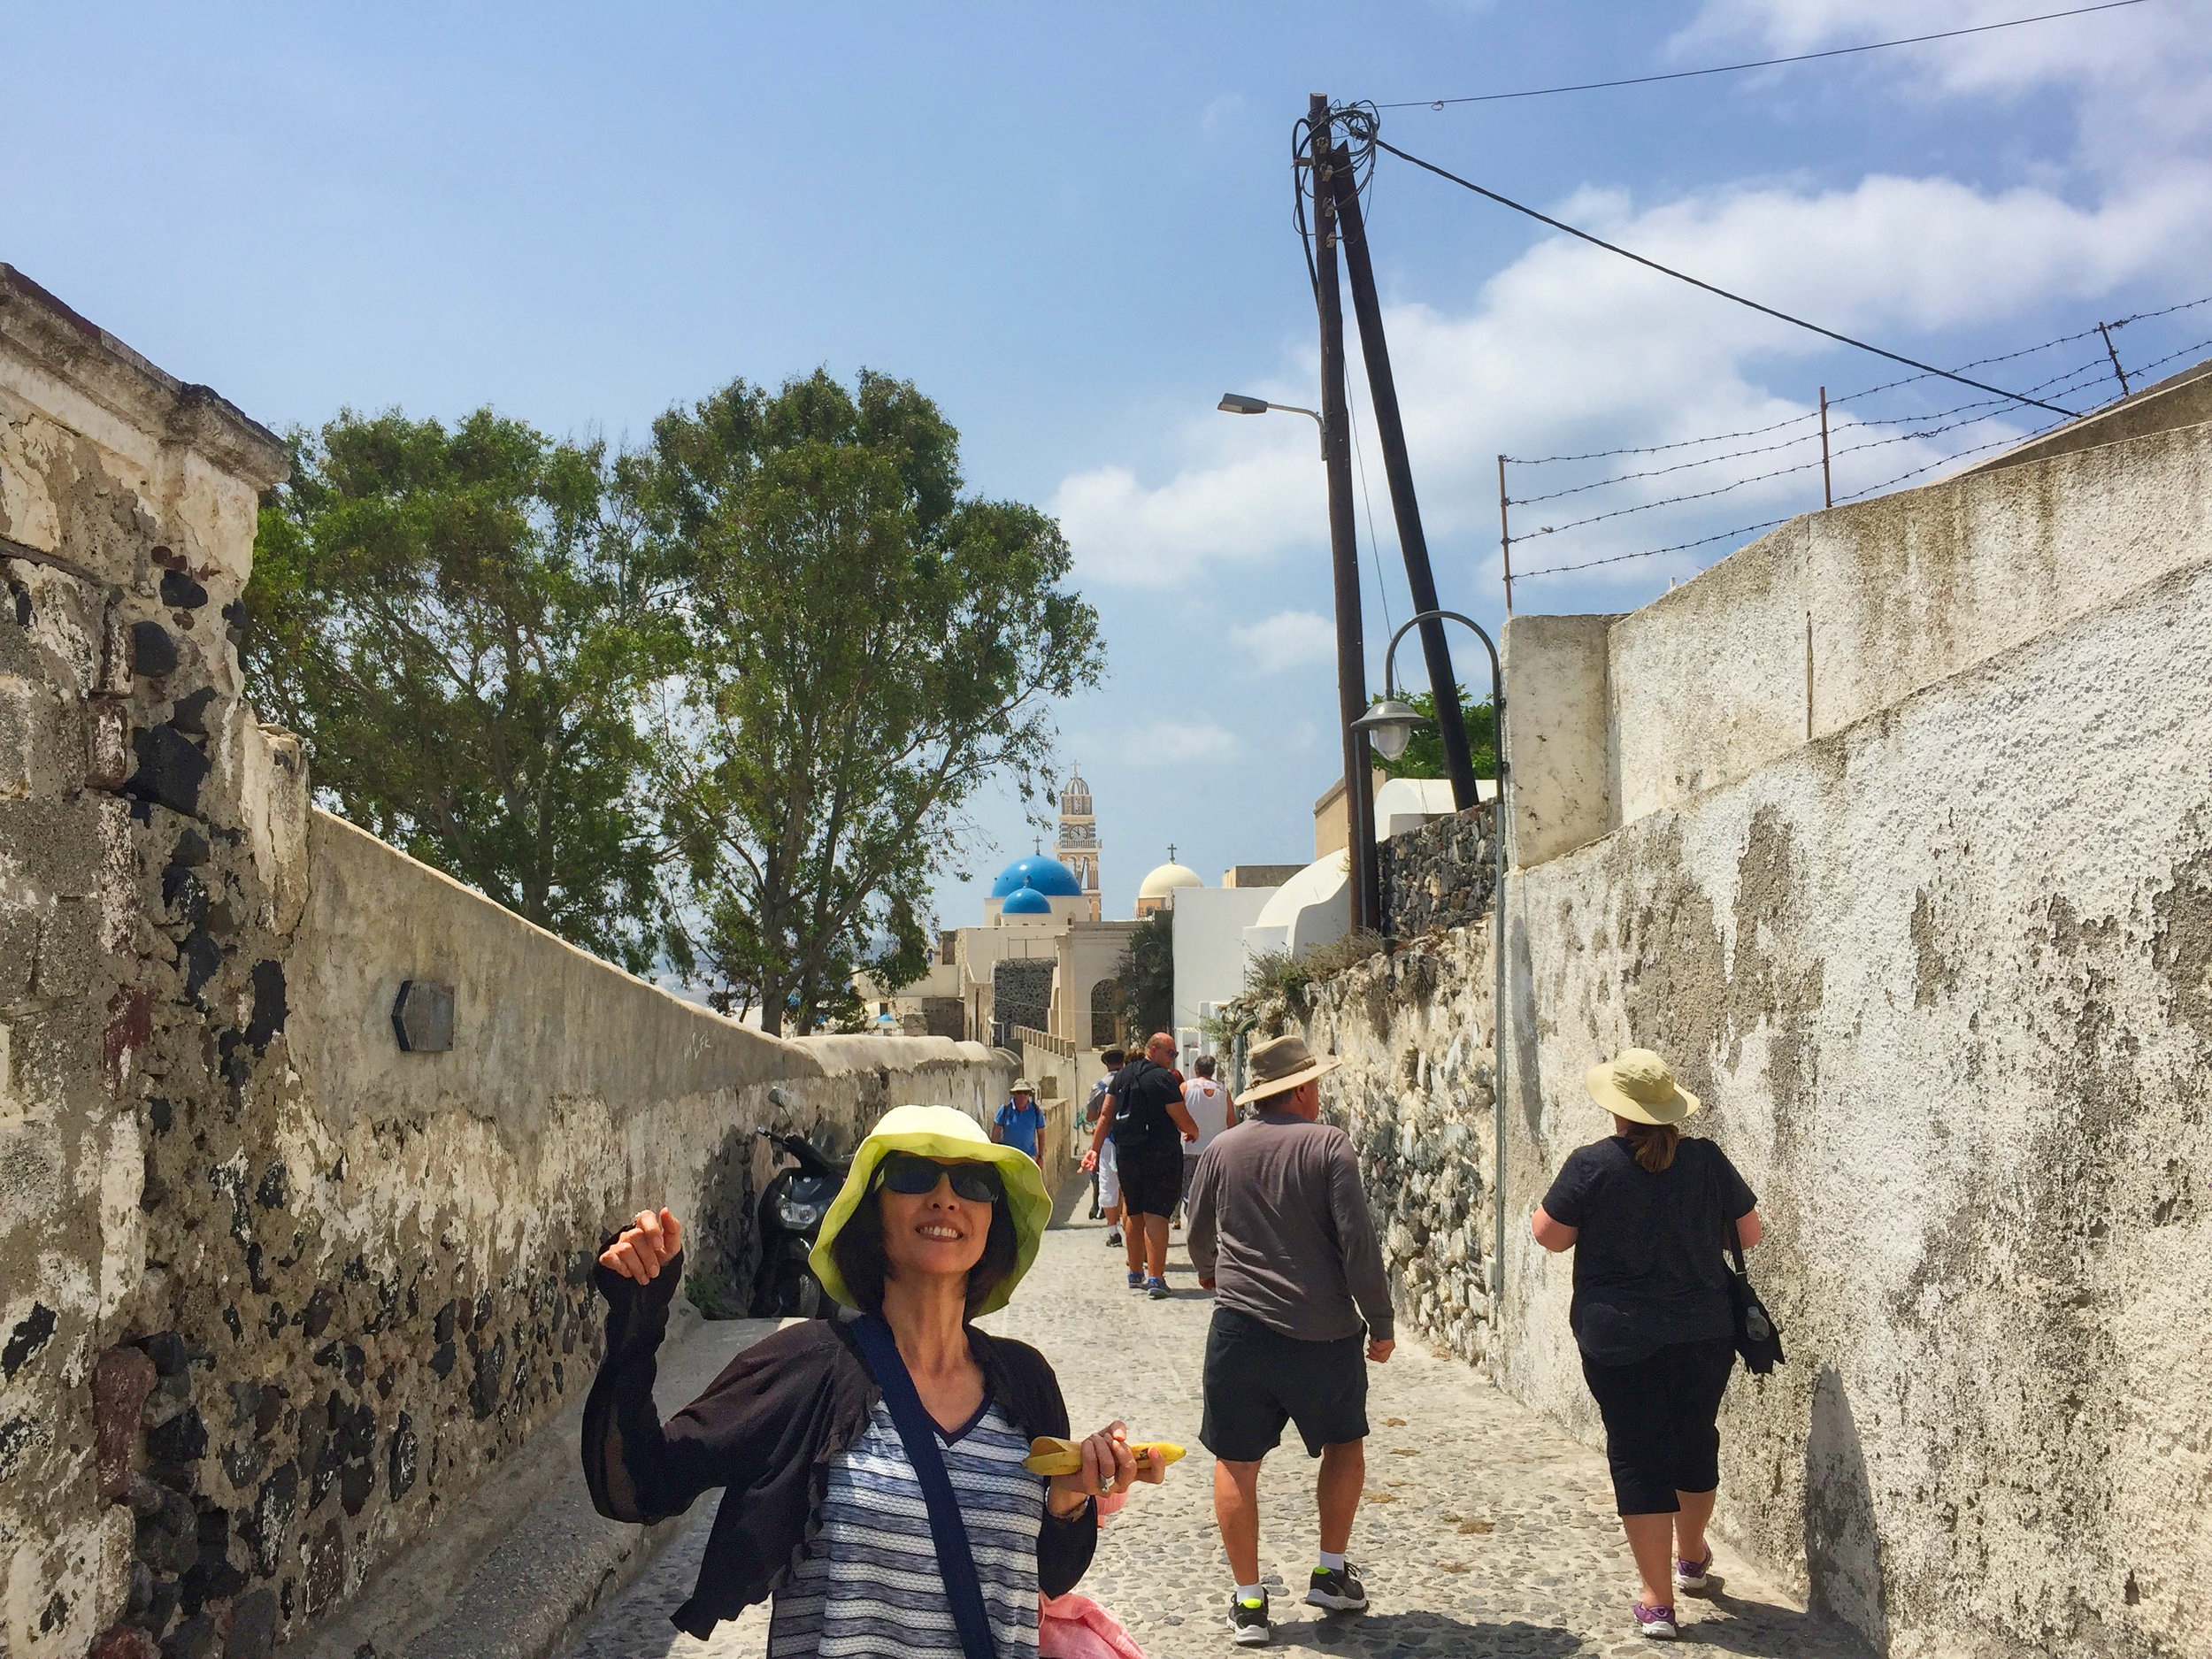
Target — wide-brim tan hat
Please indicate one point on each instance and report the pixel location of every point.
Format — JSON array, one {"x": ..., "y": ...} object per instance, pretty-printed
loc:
[
  {"x": 942, "y": 1132},
  {"x": 1282, "y": 1065},
  {"x": 1021, "y": 1086},
  {"x": 1636, "y": 1084}
]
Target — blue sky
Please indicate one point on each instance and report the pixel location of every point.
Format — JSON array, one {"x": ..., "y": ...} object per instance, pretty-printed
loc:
[{"x": 1071, "y": 226}]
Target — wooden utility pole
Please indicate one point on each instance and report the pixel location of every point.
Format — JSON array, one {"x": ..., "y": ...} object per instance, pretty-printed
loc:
[
  {"x": 1382, "y": 390},
  {"x": 1336, "y": 449}
]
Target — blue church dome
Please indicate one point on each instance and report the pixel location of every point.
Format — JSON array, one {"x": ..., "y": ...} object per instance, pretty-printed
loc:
[
  {"x": 1049, "y": 876},
  {"x": 1026, "y": 901}
]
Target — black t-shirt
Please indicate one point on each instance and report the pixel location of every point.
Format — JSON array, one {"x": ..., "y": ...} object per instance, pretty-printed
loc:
[
  {"x": 1140, "y": 1092},
  {"x": 1650, "y": 1270}
]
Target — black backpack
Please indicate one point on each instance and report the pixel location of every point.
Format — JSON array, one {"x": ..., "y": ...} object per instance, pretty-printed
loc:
[{"x": 1141, "y": 1117}]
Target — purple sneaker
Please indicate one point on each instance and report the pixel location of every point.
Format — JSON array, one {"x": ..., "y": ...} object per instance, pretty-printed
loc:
[
  {"x": 1693, "y": 1575},
  {"x": 1655, "y": 1622}
]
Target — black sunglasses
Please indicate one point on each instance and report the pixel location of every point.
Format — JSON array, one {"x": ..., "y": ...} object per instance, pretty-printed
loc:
[{"x": 914, "y": 1175}]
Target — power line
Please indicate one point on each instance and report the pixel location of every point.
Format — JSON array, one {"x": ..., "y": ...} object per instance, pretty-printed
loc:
[
  {"x": 1767, "y": 310},
  {"x": 1763, "y": 63}
]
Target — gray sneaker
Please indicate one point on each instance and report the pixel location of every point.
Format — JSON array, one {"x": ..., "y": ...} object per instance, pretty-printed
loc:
[
  {"x": 1338, "y": 1591},
  {"x": 1247, "y": 1623}
]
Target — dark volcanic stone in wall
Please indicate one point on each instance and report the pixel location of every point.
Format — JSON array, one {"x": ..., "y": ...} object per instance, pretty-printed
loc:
[
  {"x": 1440, "y": 875},
  {"x": 1021, "y": 993},
  {"x": 169, "y": 770}
]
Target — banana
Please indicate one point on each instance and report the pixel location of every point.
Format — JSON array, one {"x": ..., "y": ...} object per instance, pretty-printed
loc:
[{"x": 1051, "y": 1456}]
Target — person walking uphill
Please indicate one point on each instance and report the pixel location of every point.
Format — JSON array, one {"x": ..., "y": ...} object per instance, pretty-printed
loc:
[
  {"x": 1279, "y": 1229},
  {"x": 1147, "y": 1123},
  {"x": 872, "y": 1467},
  {"x": 1020, "y": 1122},
  {"x": 1646, "y": 1211}
]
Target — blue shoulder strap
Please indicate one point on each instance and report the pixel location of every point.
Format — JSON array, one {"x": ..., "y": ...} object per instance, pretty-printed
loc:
[{"x": 963, "y": 1593}]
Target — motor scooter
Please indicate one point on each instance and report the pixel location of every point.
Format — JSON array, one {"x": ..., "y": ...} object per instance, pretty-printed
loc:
[{"x": 798, "y": 1198}]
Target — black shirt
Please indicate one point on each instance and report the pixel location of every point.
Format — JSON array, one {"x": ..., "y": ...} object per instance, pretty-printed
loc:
[
  {"x": 1648, "y": 1265},
  {"x": 1140, "y": 1092}
]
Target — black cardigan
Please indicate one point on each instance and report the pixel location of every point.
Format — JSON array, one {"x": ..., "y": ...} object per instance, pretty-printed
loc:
[{"x": 765, "y": 1430}]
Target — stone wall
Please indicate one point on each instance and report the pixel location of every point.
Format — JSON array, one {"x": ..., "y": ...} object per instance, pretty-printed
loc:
[
  {"x": 1413, "y": 1032},
  {"x": 1021, "y": 994},
  {"x": 1441, "y": 875},
  {"x": 275, "y": 1291},
  {"x": 1944, "y": 979}
]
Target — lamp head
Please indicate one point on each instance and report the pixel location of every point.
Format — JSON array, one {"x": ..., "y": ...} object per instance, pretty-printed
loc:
[
  {"x": 1238, "y": 404},
  {"x": 1389, "y": 726}
]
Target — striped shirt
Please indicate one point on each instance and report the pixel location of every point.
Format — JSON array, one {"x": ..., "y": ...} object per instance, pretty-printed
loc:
[{"x": 870, "y": 1588}]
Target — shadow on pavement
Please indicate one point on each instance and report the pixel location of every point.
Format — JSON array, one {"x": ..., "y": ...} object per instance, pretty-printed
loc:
[
  {"x": 1415, "y": 1632},
  {"x": 1765, "y": 1631}
]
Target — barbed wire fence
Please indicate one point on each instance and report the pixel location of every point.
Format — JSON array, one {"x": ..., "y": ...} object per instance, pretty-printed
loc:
[{"x": 1816, "y": 440}]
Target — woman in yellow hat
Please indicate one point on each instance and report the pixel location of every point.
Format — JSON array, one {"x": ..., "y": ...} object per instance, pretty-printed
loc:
[
  {"x": 872, "y": 1467},
  {"x": 1644, "y": 1211}
]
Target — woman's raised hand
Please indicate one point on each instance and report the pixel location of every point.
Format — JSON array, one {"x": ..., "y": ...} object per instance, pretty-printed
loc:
[{"x": 645, "y": 1247}]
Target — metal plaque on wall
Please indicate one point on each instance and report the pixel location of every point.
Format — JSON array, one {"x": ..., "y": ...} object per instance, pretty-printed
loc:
[{"x": 422, "y": 1017}]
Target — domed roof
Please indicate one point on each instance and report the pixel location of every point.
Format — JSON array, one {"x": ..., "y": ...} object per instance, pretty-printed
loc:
[
  {"x": 1166, "y": 878},
  {"x": 1048, "y": 877},
  {"x": 1026, "y": 901}
]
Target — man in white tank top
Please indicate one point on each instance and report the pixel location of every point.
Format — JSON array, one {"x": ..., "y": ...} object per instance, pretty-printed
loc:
[{"x": 1210, "y": 1108}]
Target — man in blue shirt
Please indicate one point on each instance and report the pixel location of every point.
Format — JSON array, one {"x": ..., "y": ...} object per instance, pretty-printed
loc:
[{"x": 1020, "y": 1120}]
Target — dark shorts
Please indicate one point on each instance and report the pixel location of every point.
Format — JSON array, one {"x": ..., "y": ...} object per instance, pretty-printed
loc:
[
  {"x": 1257, "y": 1379},
  {"x": 1151, "y": 1178},
  {"x": 1661, "y": 1431}
]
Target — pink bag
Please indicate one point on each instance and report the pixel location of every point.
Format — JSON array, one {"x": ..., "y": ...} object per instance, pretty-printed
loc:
[{"x": 1075, "y": 1627}]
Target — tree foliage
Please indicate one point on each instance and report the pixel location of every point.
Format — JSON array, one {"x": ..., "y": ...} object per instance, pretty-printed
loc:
[
  {"x": 1425, "y": 754},
  {"x": 866, "y": 648},
  {"x": 1147, "y": 974},
  {"x": 454, "y": 625}
]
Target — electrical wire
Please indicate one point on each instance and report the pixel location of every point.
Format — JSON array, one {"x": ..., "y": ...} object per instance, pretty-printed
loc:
[
  {"x": 1767, "y": 310},
  {"x": 1763, "y": 63}
]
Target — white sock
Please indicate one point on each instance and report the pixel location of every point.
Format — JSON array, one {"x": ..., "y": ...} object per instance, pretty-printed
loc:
[
  {"x": 1250, "y": 1593},
  {"x": 1329, "y": 1563}
]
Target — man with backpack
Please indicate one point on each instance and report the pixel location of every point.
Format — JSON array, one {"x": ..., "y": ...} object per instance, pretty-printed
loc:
[{"x": 1146, "y": 1120}]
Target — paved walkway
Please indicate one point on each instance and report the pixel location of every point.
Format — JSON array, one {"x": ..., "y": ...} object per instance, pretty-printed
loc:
[{"x": 1485, "y": 1531}]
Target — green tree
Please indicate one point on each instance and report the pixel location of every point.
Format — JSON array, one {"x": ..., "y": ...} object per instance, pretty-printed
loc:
[
  {"x": 867, "y": 648},
  {"x": 1425, "y": 754},
  {"x": 1147, "y": 974},
  {"x": 458, "y": 630}
]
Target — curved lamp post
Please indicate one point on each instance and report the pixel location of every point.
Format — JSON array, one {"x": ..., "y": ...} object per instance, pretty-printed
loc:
[{"x": 1389, "y": 726}]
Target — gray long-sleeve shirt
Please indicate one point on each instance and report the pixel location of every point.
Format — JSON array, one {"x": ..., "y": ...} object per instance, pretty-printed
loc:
[{"x": 1278, "y": 1222}]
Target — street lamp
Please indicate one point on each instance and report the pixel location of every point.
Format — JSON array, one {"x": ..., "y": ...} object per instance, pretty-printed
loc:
[
  {"x": 1389, "y": 726},
  {"x": 1239, "y": 404}
]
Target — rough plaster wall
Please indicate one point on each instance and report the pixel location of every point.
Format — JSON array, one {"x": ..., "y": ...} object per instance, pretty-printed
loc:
[
  {"x": 1945, "y": 979},
  {"x": 1709, "y": 681},
  {"x": 273, "y": 1293}
]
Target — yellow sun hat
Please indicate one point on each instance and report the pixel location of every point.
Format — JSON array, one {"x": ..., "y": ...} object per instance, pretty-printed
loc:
[
  {"x": 1637, "y": 1085},
  {"x": 939, "y": 1132}
]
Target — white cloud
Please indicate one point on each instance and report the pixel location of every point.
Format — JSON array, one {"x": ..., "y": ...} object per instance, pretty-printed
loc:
[
  {"x": 1288, "y": 639},
  {"x": 1176, "y": 742},
  {"x": 1571, "y": 348}
]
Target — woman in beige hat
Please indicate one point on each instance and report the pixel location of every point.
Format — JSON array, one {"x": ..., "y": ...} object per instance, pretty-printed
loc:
[
  {"x": 872, "y": 1468},
  {"x": 1645, "y": 1212}
]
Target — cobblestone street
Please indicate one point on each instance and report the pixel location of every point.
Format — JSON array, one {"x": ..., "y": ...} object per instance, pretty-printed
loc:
[{"x": 1484, "y": 1530}]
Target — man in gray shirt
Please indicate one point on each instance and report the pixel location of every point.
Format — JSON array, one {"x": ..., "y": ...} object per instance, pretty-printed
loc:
[{"x": 1279, "y": 1231}]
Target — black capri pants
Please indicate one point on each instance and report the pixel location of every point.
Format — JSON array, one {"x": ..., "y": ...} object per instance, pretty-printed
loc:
[{"x": 1660, "y": 1412}]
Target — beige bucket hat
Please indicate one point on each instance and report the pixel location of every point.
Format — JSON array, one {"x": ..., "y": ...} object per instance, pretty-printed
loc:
[
  {"x": 1282, "y": 1065},
  {"x": 1636, "y": 1084}
]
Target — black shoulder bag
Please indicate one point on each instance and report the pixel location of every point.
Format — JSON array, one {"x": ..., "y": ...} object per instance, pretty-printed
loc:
[
  {"x": 964, "y": 1592},
  {"x": 1758, "y": 1339}
]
